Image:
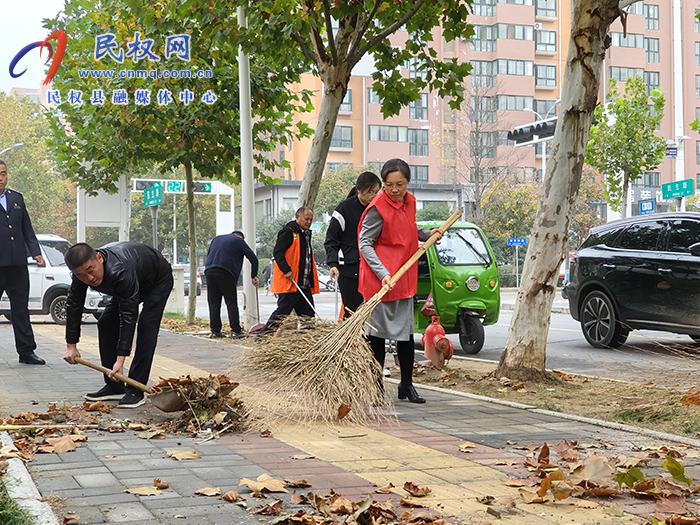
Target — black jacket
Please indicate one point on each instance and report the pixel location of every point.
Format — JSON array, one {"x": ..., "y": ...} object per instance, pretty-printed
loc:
[
  {"x": 285, "y": 237},
  {"x": 130, "y": 270},
  {"x": 17, "y": 237},
  {"x": 341, "y": 237},
  {"x": 227, "y": 252}
]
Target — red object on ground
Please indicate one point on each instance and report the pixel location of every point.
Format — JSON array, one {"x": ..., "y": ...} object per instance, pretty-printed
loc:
[{"x": 438, "y": 348}]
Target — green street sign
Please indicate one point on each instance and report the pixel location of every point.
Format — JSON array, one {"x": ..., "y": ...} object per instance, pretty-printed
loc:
[
  {"x": 153, "y": 196},
  {"x": 201, "y": 187},
  {"x": 681, "y": 188}
]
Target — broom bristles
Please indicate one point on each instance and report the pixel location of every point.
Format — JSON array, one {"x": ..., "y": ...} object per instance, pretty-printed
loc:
[{"x": 316, "y": 366}]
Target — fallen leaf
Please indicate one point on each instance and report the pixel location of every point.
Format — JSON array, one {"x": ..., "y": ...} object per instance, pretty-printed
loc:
[
  {"x": 343, "y": 410},
  {"x": 135, "y": 426},
  {"x": 691, "y": 398},
  {"x": 415, "y": 491},
  {"x": 386, "y": 489},
  {"x": 464, "y": 447},
  {"x": 209, "y": 491},
  {"x": 407, "y": 502},
  {"x": 62, "y": 444},
  {"x": 674, "y": 504},
  {"x": 144, "y": 491},
  {"x": 268, "y": 510},
  {"x": 511, "y": 442},
  {"x": 153, "y": 434},
  {"x": 614, "y": 510},
  {"x": 162, "y": 485},
  {"x": 232, "y": 496},
  {"x": 514, "y": 483},
  {"x": 298, "y": 483},
  {"x": 303, "y": 456},
  {"x": 72, "y": 517},
  {"x": 529, "y": 496},
  {"x": 110, "y": 457},
  {"x": 676, "y": 470},
  {"x": 486, "y": 500},
  {"x": 585, "y": 504},
  {"x": 264, "y": 482},
  {"x": 181, "y": 455},
  {"x": 594, "y": 468},
  {"x": 508, "y": 503},
  {"x": 341, "y": 506},
  {"x": 502, "y": 462},
  {"x": 266, "y": 433},
  {"x": 298, "y": 499}
]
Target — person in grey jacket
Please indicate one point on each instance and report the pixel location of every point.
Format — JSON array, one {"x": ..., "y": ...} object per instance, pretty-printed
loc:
[{"x": 133, "y": 274}]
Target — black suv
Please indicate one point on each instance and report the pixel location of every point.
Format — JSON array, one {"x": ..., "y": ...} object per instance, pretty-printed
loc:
[{"x": 637, "y": 273}]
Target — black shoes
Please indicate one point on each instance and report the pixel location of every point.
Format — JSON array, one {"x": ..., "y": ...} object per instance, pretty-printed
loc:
[
  {"x": 106, "y": 393},
  {"x": 237, "y": 335},
  {"x": 131, "y": 400},
  {"x": 410, "y": 394},
  {"x": 217, "y": 335},
  {"x": 31, "y": 359}
]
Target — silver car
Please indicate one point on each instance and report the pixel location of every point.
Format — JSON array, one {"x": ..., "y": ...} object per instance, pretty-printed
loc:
[{"x": 48, "y": 286}]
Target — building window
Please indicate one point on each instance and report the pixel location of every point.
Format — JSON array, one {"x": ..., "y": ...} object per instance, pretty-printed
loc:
[
  {"x": 631, "y": 40},
  {"x": 483, "y": 144},
  {"x": 388, "y": 133},
  {"x": 419, "y": 174},
  {"x": 418, "y": 142},
  {"x": 544, "y": 107},
  {"x": 372, "y": 97},
  {"x": 514, "y": 67},
  {"x": 482, "y": 110},
  {"x": 418, "y": 110},
  {"x": 697, "y": 113},
  {"x": 482, "y": 74},
  {"x": 483, "y": 39},
  {"x": 449, "y": 144},
  {"x": 514, "y": 103},
  {"x": 546, "y": 41},
  {"x": 651, "y": 179},
  {"x": 652, "y": 47},
  {"x": 342, "y": 137},
  {"x": 697, "y": 22},
  {"x": 546, "y": 8},
  {"x": 652, "y": 113},
  {"x": 346, "y": 104},
  {"x": 545, "y": 76},
  {"x": 448, "y": 47},
  {"x": 484, "y": 8},
  {"x": 651, "y": 79},
  {"x": 516, "y": 2},
  {"x": 447, "y": 112},
  {"x": 621, "y": 74},
  {"x": 697, "y": 152},
  {"x": 636, "y": 8},
  {"x": 282, "y": 156},
  {"x": 697, "y": 86},
  {"x": 514, "y": 32},
  {"x": 697, "y": 54},
  {"x": 416, "y": 68},
  {"x": 651, "y": 17}
]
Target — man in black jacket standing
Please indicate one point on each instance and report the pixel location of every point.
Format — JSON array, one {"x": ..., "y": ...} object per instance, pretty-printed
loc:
[
  {"x": 133, "y": 274},
  {"x": 16, "y": 239},
  {"x": 223, "y": 267}
]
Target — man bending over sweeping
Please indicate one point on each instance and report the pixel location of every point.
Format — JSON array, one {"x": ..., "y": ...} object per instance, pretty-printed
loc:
[
  {"x": 294, "y": 265},
  {"x": 133, "y": 274}
]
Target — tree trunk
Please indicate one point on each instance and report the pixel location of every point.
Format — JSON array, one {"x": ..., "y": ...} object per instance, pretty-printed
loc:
[
  {"x": 335, "y": 85},
  {"x": 525, "y": 354},
  {"x": 192, "y": 298},
  {"x": 625, "y": 195}
]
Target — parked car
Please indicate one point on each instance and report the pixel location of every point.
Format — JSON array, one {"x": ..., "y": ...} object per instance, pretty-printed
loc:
[
  {"x": 48, "y": 286},
  {"x": 186, "y": 283},
  {"x": 202, "y": 274},
  {"x": 324, "y": 280},
  {"x": 637, "y": 273}
]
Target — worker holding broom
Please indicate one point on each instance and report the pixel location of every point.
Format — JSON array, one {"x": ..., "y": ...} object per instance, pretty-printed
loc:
[
  {"x": 388, "y": 237},
  {"x": 294, "y": 277}
]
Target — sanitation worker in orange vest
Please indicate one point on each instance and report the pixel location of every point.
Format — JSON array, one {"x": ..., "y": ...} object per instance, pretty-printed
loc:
[{"x": 294, "y": 277}]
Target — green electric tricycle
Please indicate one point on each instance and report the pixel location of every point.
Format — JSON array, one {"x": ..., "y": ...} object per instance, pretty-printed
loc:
[{"x": 462, "y": 275}]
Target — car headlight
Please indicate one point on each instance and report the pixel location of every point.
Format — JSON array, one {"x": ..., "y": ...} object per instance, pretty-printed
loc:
[{"x": 473, "y": 284}]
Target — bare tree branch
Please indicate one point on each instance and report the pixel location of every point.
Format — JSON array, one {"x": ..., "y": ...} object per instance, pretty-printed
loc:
[
  {"x": 359, "y": 34},
  {"x": 303, "y": 45}
]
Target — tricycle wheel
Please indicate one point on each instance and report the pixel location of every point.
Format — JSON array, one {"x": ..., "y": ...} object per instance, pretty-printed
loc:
[{"x": 471, "y": 334}]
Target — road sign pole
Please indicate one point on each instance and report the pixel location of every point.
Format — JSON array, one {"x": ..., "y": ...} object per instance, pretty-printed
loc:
[
  {"x": 154, "y": 216},
  {"x": 517, "y": 271}
]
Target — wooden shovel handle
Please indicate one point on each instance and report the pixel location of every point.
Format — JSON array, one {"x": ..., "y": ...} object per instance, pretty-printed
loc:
[
  {"x": 414, "y": 258},
  {"x": 120, "y": 377}
]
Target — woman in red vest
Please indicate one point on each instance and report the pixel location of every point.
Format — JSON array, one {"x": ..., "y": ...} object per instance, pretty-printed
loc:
[{"x": 388, "y": 237}]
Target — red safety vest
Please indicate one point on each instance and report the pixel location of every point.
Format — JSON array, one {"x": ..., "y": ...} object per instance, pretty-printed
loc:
[
  {"x": 280, "y": 284},
  {"x": 395, "y": 245}
]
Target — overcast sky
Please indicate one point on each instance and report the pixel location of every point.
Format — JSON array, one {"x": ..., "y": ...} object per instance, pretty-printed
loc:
[{"x": 21, "y": 25}]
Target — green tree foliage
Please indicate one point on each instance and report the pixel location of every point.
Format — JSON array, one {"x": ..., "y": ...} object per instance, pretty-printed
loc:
[
  {"x": 623, "y": 145},
  {"x": 335, "y": 186},
  {"x": 434, "y": 212},
  {"x": 330, "y": 37},
  {"x": 49, "y": 197},
  {"x": 584, "y": 215}
]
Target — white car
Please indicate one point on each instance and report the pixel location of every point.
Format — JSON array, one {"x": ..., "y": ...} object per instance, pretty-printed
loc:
[
  {"x": 325, "y": 281},
  {"x": 48, "y": 286}
]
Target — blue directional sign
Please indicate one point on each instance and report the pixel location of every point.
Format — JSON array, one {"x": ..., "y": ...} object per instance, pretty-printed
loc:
[
  {"x": 517, "y": 242},
  {"x": 647, "y": 207},
  {"x": 671, "y": 151}
]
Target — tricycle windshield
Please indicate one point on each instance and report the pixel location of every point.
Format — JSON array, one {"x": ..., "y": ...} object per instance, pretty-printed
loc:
[{"x": 462, "y": 246}]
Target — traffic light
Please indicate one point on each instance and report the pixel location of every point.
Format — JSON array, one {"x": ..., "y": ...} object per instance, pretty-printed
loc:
[
  {"x": 140, "y": 184},
  {"x": 201, "y": 187},
  {"x": 175, "y": 186},
  {"x": 528, "y": 133}
]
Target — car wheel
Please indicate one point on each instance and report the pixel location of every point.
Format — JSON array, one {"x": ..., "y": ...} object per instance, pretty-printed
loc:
[
  {"x": 471, "y": 334},
  {"x": 599, "y": 322},
  {"x": 57, "y": 309}
]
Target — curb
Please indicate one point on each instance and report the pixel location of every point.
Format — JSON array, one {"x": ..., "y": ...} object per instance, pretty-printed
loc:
[
  {"x": 597, "y": 422},
  {"x": 555, "y": 309},
  {"x": 22, "y": 489}
]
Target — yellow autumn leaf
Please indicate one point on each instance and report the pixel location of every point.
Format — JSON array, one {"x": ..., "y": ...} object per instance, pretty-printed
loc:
[
  {"x": 144, "y": 491},
  {"x": 209, "y": 491},
  {"x": 181, "y": 455}
]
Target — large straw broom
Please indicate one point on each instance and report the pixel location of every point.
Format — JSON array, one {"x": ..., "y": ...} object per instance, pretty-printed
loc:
[{"x": 313, "y": 369}]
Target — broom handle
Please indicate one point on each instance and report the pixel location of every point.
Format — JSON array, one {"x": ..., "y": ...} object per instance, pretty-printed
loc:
[
  {"x": 118, "y": 377},
  {"x": 414, "y": 258}
]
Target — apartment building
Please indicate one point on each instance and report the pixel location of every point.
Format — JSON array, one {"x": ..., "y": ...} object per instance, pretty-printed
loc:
[{"x": 518, "y": 55}]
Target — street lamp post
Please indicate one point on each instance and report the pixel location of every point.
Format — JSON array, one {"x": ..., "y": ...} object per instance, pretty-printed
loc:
[
  {"x": 544, "y": 142},
  {"x": 8, "y": 149}
]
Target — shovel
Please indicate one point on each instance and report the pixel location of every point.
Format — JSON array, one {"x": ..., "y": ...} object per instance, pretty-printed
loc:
[{"x": 167, "y": 400}]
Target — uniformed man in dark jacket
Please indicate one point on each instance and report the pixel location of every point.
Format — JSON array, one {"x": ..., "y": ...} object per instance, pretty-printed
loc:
[
  {"x": 17, "y": 238},
  {"x": 133, "y": 274}
]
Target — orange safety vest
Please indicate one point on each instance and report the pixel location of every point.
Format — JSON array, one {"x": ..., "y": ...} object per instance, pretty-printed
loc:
[{"x": 280, "y": 284}]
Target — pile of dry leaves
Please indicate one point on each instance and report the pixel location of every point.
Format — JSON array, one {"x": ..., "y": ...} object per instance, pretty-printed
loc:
[{"x": 598, "y": 480}]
